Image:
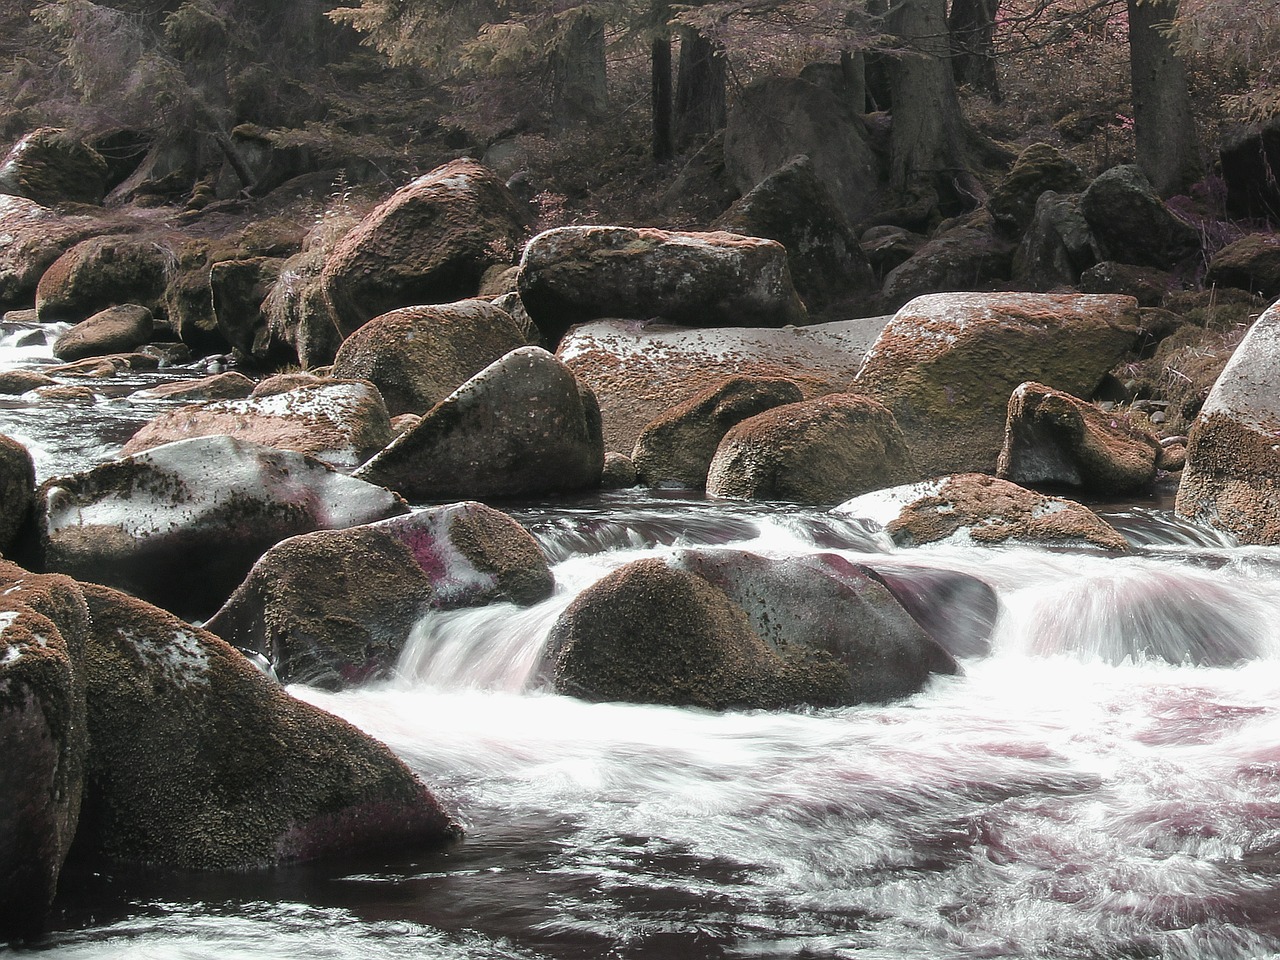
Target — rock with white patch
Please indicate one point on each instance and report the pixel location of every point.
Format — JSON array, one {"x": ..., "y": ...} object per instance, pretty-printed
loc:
[{"x": 181, "y": 524}]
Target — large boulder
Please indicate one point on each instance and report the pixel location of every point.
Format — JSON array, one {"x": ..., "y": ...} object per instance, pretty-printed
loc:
[
  {"x": 340, "y": 422},
  {"x": 51, "y": 166},
  {"x": 571, "y": 275},
  {"x": 523, "y": 426},
  {"x": 200, "y": 761},
  {"x": 1054, "y": 438},
  {"x": 429, "y": 242},
  {"x": 794, "y": 207},
  {"x": 816, "y": 451},
  {"x": 1039, "y": 168},
  {"x": 1249, "y": 158},
  {"x": 417, "y": 356},
  {"x": 297, "y": 313},
  {"x": 1251, "y": 263},
  {"x": 1133, "y": 225},
  {"x": 43, "y": 629},
  {"x": 1058, "y": 245},
  {"x": 946, "y": 365},
  {"x": 777, "y": 118},
  {"x": 17, "y": 489},
  {"x": 639, "y": 371},
  {"x": 312, "y": 608},
  {"x": 238, "y": 289},
  {"x": 119, "y": 329},
  {"x": 1232, "y": 477},
  {"x": 35, "y": 237},
  {"x": 974, "y": 508},
  {"x": 103, "y": 272},
  {"x": 182, "y": 524},
  {"x": 967, "y": 257},
  {"x": 677, "y": 447}
]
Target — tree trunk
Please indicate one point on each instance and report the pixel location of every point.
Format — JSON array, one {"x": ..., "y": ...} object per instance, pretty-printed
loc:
[
  {"x": 664, "y": 147},
  {"x": 700, "y": 88},
  {"x": 579, "y": 90},
  {"x": 1164, "y": 129},
  {"x": 972, "y": 25}
]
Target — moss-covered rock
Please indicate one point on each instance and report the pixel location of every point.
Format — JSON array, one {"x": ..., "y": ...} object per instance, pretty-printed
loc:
[
  {"x": 17, "y": 489},
  {"x": 103, "y": 272},
  {"x": 50, "y": 165},
  {"x": 1039, "y": 168}
]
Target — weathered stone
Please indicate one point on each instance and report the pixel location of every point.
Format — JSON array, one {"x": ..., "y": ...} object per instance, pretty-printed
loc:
[
  {"x": 17, "y": 489},
  {"x": 965, "y": 258},
  {"x": 1251, "y": 263},
  {"x": 36, "y": 238},
  {"x": 120, "y": 329},
  {"x": 417, "y": 356},
  {"x": 14, "y": 382},
  {"x": 201, "y": 762},
  {"x": 816, "y": 451},
  {"x": 430, "y": 242},
  {"x": 238, "y": 289},
  {"x": 1249, "y": 157},
  {"x": 299, "y": 319},
  {"x": 523, "y": 426},
  {"x": 51, "y": 166},
  {"x": 574, "y": 274},
  {"x": 1052, "y": 437},
  {"x": 888, "y": 246},
  {"x": 339, "y": 422},
  {"x": 231, "y": 385},
  {"x": 1058, "y": 245},
  {"x": 183, "y": 523},
  {"x": 946, "y": 365},
  {"x": 677, "y": 447},
  {"x": 1132, "y": 224},
  {"x": 1147, "y": 285},
  {"x": 102, "y": 272},
  {"x": 979, "y": 509},
  {"x": 619, "y": 472},
  {"x": 1039, "y": 168}
]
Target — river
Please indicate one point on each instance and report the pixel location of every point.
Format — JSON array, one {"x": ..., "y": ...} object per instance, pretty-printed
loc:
[{"x": 1070, "y": 795}]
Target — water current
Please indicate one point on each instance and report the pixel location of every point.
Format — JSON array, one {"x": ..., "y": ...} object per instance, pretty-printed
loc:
[{"x": 1073, "y": 794}]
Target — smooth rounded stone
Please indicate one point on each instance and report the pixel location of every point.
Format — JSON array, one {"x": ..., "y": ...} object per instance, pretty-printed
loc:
[
  {"x": 571, "y": 275},
  {"x": 311, "y": 608},
  {"x": 417, "y": 356},
  {"x": 977, "y": 509},
  {"x": 104, "y": 366},
  {"x": 201, "y": 762},
  {"x": 523, "y": 426},
  {"x": 17, "y": 489},
  {"x": 940, "y": 361},
  {"x": 640, "y": 370},
  {"x": 168, "y": 353},
  {"x": 231, "y": 385},
  {"x": 677, "y": 447},
  {"x": 119, "y": 329},
  {"x": 1133, "y": 225},
  {"x": 66, "y": 394},
  {"x": 340, "y": 422},
  {"x": 1230, "y": 478},
  {"x": 429, "y": 242},
  {"x": 619, "y": 472},
  {"x": 816, "y": 451},
  {"x": 1039, "y": 168},
  {"x": 1251, "y": 263},
  {"x": 181, "y": 524},
  {"x": 956, "y": 609},
  {"x": 50, "y": 165},
  {"x": 825, "y": 617},
  {"x": 1052, "y": 437},
  {"x": 15, "y": 382},
  {"x": 37, "y": 237},
  {"x": 102, "y": 272},
  {"x": 289, "y": 380}
]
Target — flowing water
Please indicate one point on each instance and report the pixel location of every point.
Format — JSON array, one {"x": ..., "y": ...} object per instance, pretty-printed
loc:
[{"x": 1072, "y": 795}]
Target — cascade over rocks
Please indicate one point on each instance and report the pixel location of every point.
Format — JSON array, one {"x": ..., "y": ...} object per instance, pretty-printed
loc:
[
  {"x": 17, "y": 489},
  {"x": 36, "y": 238},
  {"x": 1232, "y": 477},
  {"x": 120, "y": 329},
  {"x": 956, "y": 609},
  {"x": 570, "y": 275},
  {"x": 429, "y": 242},
  {"x": 815, "y": 451},
  {"x": 103, "y": 272},
  {"x": 946, "y": 363},
  {"x": 1052, "y": 437},
  {"x": 51, "y": 166},
  {"x": 200, "y": 761},
  {"x": 182, "y": 524},
  {"x": 417, "y": 356},
  {"x": 340, "y": 422},
  {"x": 979, "y": 509},
  {"x": 639, "y": 371},
  {"x": 523, "y": 426},
  {"x": 311, "y": 607},
  {"x": 676, "y": 448},
  {"x": 1132, "y": 224}
]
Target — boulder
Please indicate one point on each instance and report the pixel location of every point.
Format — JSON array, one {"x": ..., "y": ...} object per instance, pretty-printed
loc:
[
  {"x": 523, "y": 426},
  {"x": 102, "y": 272},
  {"x": 964, "y": 258},
  {"x": 639, "y": 371},
  {"x": 815, "y": 451},
  {"x": 14, "y": 382},
  {"x": 1232, "y": 476},
  {"x": 1147, "y": 285},
  {"x": 571, "y": 275},
  {"x": 888, "y": 246},
  {"x": 238, "y": 289},
  {"x": 298, "y": 317},
  {"x": 231, "y": 385},
  {"x": 35, "y": 238},
  {"x": 51, "y": 166},
  {"x": 430, "y": 242},
  {"x": 1248, "y": 158},
  {"x": 339, "y": 422},
  {"x": 1133, "y": 225},
  {"x": 119, "y": 329},
  {"x": 942, "y": 359},
  {"x": 183, "y": 523},
  {"x": 311, "y": 608},
  {"x": 200, "y": 761},
  {"x": 17, "y": 489},
  {"x": 417, "y": 356},
  {"x": 1251, "y": 263},
  {"x": 793, "y": 206},
  {"x": 619, "y": 472},
  {"x": 1058, "y": 245},
  {"x": 677, "y": 447},
  {"x": 974, "y": 508},
  {"x": 1039, "y": 168},
  {"x": 1054, "y": 438},
  {"x": 775, "y": 119}
]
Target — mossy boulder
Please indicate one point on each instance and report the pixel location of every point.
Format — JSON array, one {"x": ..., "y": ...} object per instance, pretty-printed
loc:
[
  {"x": 103, "y": 272},
  {"x": 37, "y": 237},
  {"x": 1133, "y": 225},
  {"x": 17, "y": 489},
  {"x": 1251, "y": 263},
  {"x": 50, "y": 165},
  {"x": 969, "y": 256},
  {"x": 1039, "y": 168}
]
